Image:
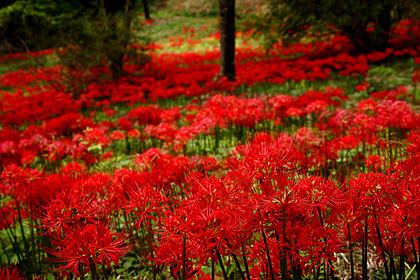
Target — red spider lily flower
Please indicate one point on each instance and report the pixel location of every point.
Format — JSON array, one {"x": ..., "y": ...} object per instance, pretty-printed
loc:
[
  {"x": 8, "y": 215},
  {"x": 190, "y": 270},
  {"x": 412, "y": 164},
  {"x": 171, "y": 115},
  {"x": 125, "y": 124},
  {"x": 363, "y": 86},
  {"x": 7, "y": 273},
  {"x": 146, "y": 114},
  {"x": 374, "y": 162},
  {"x": 316, "y": 107},
  {"x": 73, "y": 168},
  {"x": 117, "y": 135},
  {"x": 92, "y": 243},
  {"x": 145, "y": 204},
  {"x": 133, "y": 133}
]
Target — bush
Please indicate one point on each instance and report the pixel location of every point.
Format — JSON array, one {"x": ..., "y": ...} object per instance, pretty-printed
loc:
[
  {"x": 105, "y": 40},
  {"x": 33, "y": 25},
  {"x": 366, "y": 23}
]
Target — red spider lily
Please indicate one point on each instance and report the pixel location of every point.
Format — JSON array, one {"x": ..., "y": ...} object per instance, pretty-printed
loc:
[
  {"x": 411, "y": 165},
  {"x": 16, "y": 181},
  {"x": 8, "y": 215},
  {"x": 190, "y": 270},
  {"x": 316, "y": 107},
  {"x": 125, "y": 124},
  {"x": 72, "y": 200},
  {"x": 117, "y": 135},
  {"x": 86, "y": 244},
  {"x": 146, "y": 115},
  {"x": 7, "y": 273},
  {"x": 378, "y": 191},
  {"x": 145, "y": 206},
  {"x": 213, "y": 219},
  {"x": 363, "y": 86}
]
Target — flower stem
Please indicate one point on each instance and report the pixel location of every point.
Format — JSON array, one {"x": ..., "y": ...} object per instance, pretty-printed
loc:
[
  {"x": 351, "y": 252},
  {"x": 378, "y": 232},
  {"x": 268, "y": 255},
  {"x": 402, "y": 268},
  {"x": 93, "y": 269},
  {"x": 364, "y": 253},
  {"x": 82, "y": 274},
  {"x": 245, "y": 262},
  {"x": 236, "y": 262},
  {"x": 212, "y": 270},
  {"x": 183, "y": 258},
  {"x": 219, "y": 257}
]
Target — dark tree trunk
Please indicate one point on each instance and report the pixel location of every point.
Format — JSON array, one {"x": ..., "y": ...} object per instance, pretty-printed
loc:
[
  {"x": 227, "y": 39},
  {"x": 116, "y": 56},
  {"x": 384, "y": 24},
  {"x": 115, "y": 64},
  {"x": 145, "y": 9}
]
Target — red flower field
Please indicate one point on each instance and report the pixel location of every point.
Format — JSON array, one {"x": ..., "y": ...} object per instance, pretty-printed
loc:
[{"x": 305, "y": 167}]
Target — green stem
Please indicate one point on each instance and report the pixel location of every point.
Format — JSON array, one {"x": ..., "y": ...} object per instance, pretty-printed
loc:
[
  {"x": 402, "y": 268},
  {"x": 25, "y": 243},
  {"x": 212, "y": 270},
  {"x": 351, "y": 252},
  {"x": 34, "y": 258},
  {"x": 418, "y": 263},
  {"x": 12, "y": 237},
  {"x": 364, "y": 253},
  {"x": 330, "y": 265},
  {"x": 378, "y": 232},
  {"x": 219, "y": 257},
  {"x": 183, "y": 258},
  {"x": 268, "y": 255},
  {"x": 105, "y": 273},
  {"x": 283, "y": 258},
  {"x": 245, "y": 262},
  {"x": 393, "y": 270},
  {"x": 81, "y": 272},
  {"x": 415, "y": 258},
  {"x": 94, "y": 269},
  {"x": 4, "y": 250},
  {"x": 236, "y": 262}
]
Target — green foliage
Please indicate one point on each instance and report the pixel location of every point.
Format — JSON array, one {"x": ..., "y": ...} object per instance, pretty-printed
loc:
[
  {"x": 366, "y": 23},
  {"x": 107, "y": 33},
  {"x": 33, "y": 25},
  {"x": 88, "y": 33}
]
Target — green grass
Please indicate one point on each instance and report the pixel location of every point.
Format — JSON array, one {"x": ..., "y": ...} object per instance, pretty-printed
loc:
[
  {"x": 167, "y": 25},
  {"x": 391, "y": 74},
  {"x": 43, "y": 61}
]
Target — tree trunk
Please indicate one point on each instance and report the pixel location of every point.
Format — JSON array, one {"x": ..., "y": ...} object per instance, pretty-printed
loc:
[
  {"x": 116, "y": 55},
  {"x": 384, "y": 24},
  {"x": 115, "y": 65},
  {"x": 145, "y": 9},
  {"x": 227, "y": 39}
]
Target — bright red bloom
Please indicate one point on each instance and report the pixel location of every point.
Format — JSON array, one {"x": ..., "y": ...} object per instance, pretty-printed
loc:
[
  {"x": 95, "y": 243},
  {"x": 7, "y": 273}
]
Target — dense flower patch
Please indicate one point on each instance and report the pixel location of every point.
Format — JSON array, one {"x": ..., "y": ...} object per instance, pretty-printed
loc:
[{"x": 169, "y": 171}]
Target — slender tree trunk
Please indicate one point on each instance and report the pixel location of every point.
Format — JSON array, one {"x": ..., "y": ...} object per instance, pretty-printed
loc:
[
  {"x": 383, "y": 28},
  {"x": 145, "y": 9},
  {"x": 227, "y": 39},
  {"x": 116, "y": 56},
  {"x": 115, "y": 64}
]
